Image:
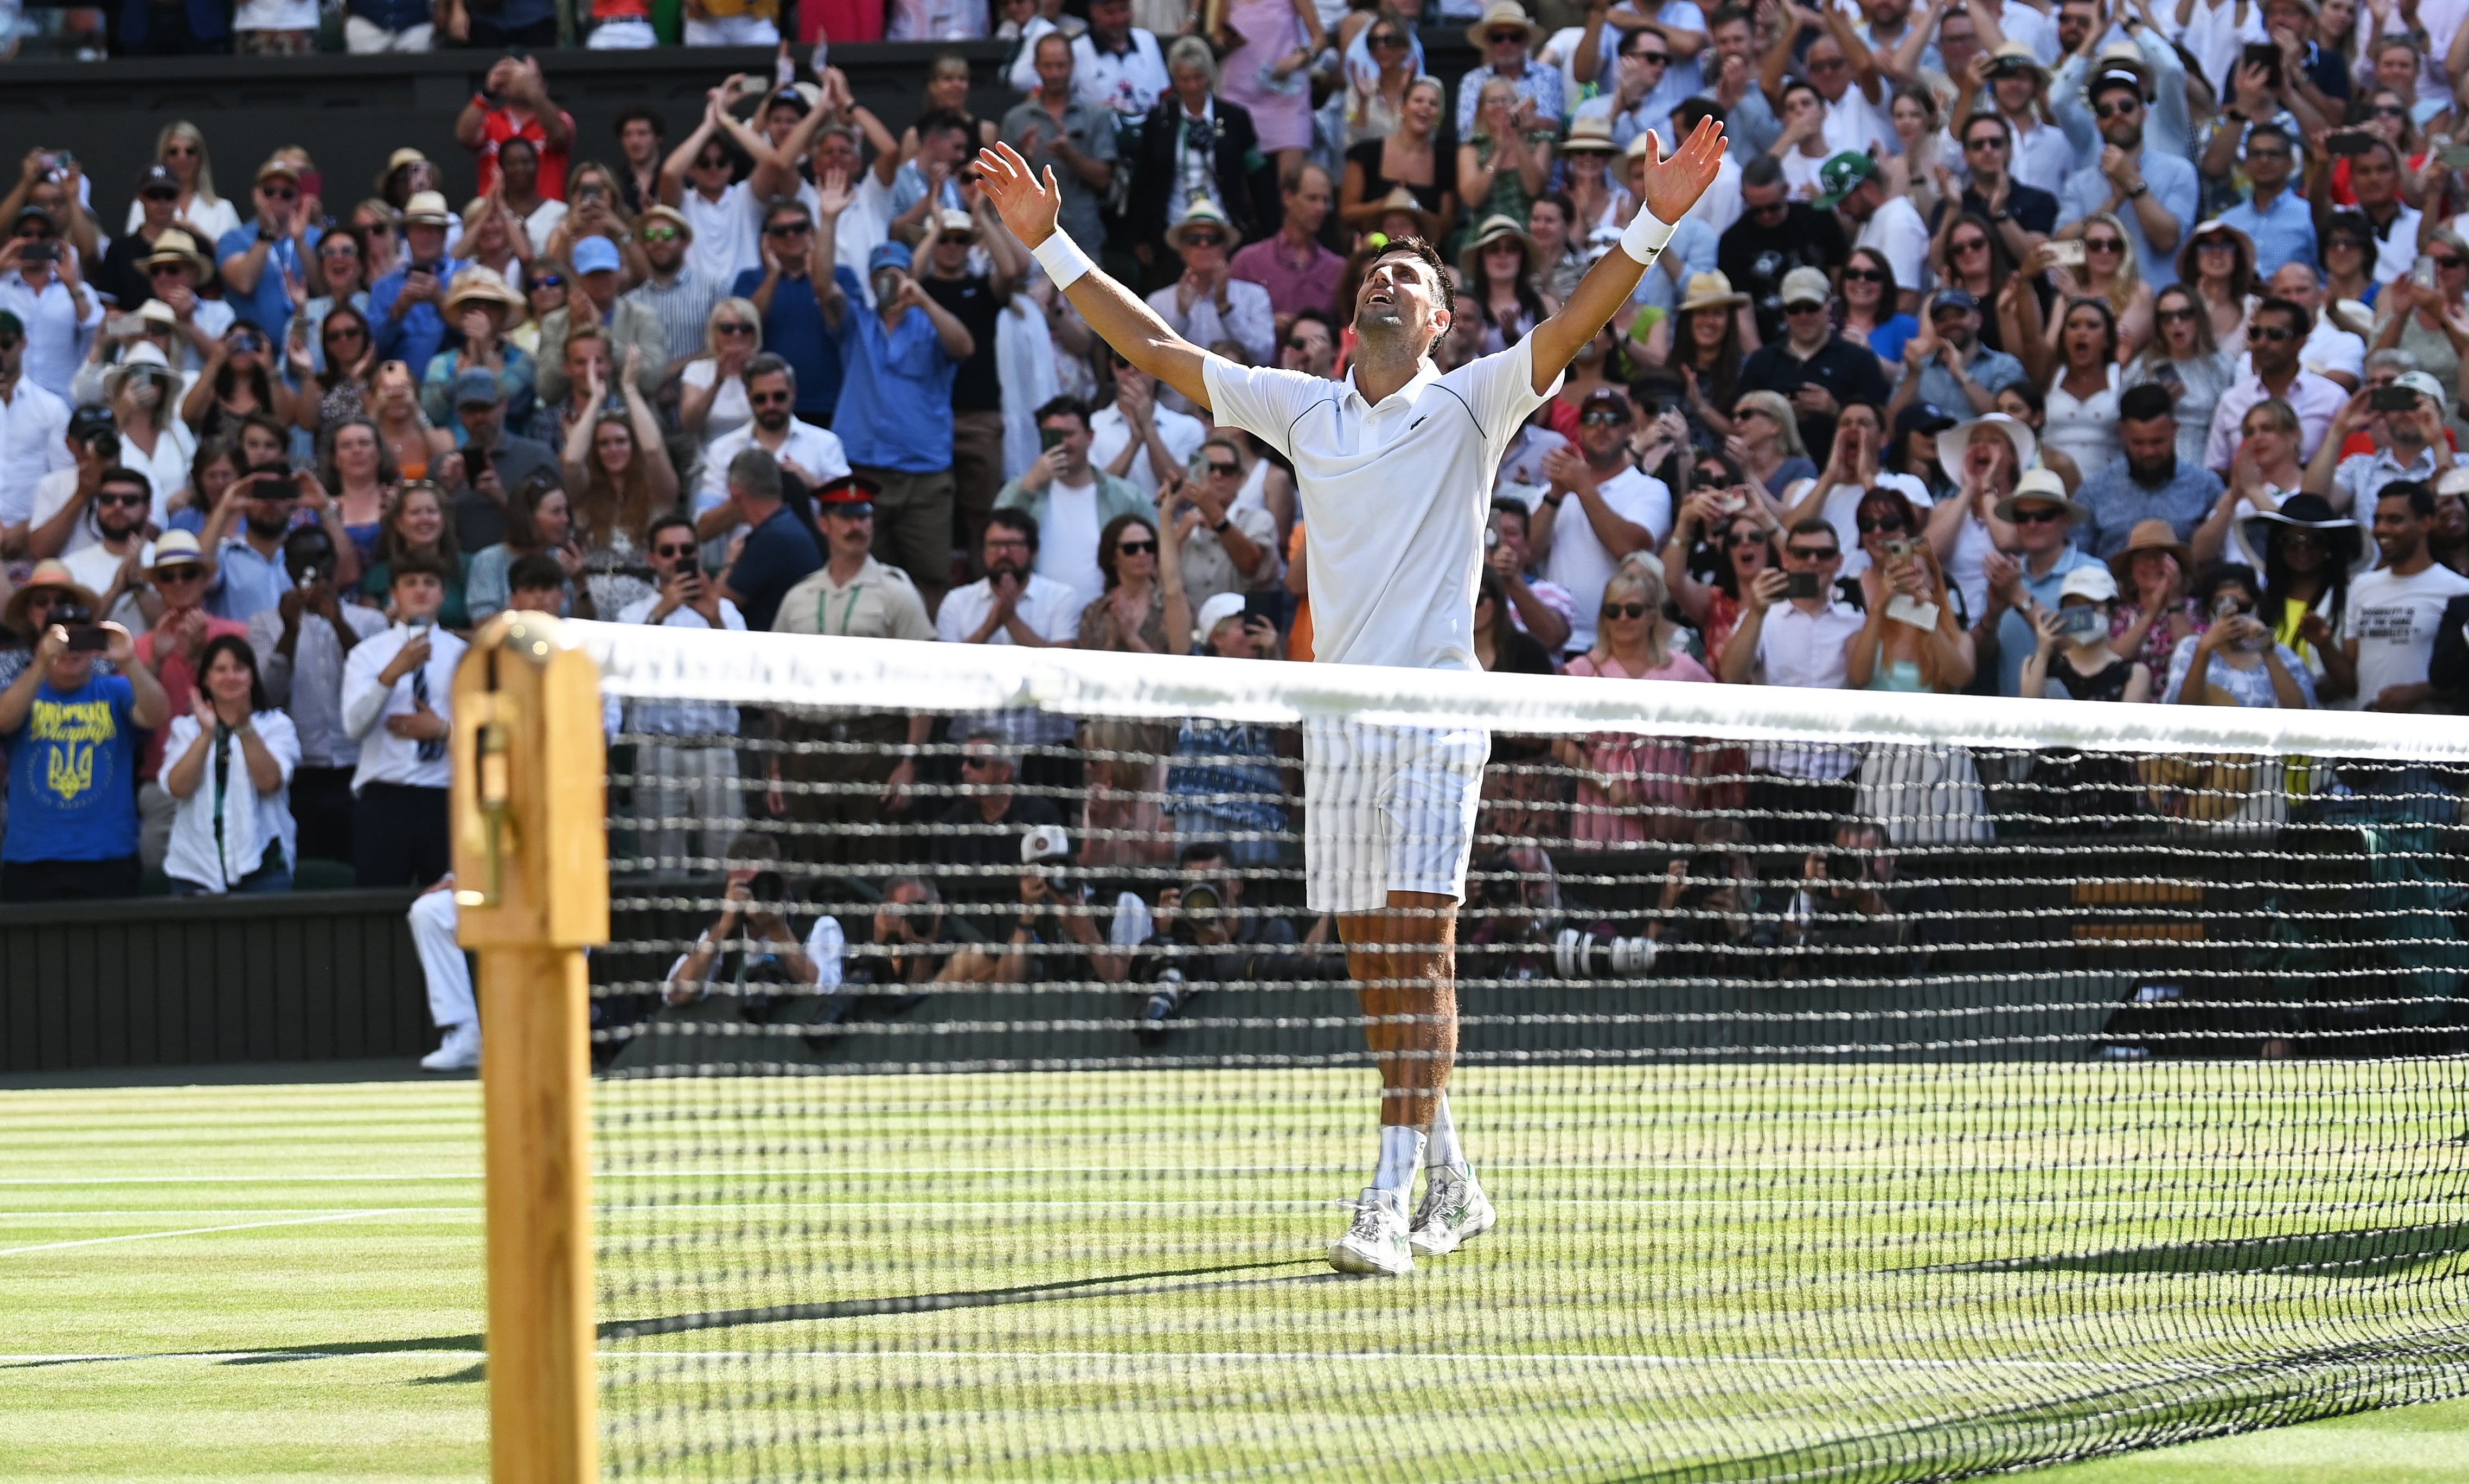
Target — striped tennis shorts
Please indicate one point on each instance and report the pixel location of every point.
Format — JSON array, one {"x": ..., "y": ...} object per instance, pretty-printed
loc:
[{"x": 1387, "y": 809}]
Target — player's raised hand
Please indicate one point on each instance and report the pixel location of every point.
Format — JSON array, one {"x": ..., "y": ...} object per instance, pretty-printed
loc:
[
  {"x": 1028, "y": 207},
  {"x": 1673, "y": 186}
]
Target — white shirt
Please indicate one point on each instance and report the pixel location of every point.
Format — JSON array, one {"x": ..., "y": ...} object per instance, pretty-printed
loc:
[
  {"x": 33, "y": 442},
  {"x": 1719, "y": 207},
  {"x": 52, "y": 494},
  {"x": 1855, "y": 122},
  {"x": 2392, "y": 619},
  {"x": 730, "y": 409},
  {"x": 1111, "y": 432},
  {"x": 1396, "y": 495},
  {"x": 55, "y": 332},
  {"x": 683, "y": 718},
  {"x": 275, "y": 15},
  {"x": 2328, "y": 348},
  {"x": 167, "y": 468},
  {"x": 1051, "y": 609},
  {"x": 216, "y": 217},
  {"x": 1249, "y": 321},
  {"x": 1067, "y": 540},
  {"x": 826, "y": 944},
  {"x": 1580, "y": 562},
  {"x": 249, "y": 818},
  {"x": 309, "y": 685},
  {"x": 815, "y": 449},
  {"x": 1811, "y": 651},
  {"x": 1129, "y": 85},
  {"x": 727, "y": 233},
  {"x": 384, "y": 757},
  {"x": 2396, "y": 246},
  {"x": 544, "y": 221},
  {"x": 2044, "y": 157},
  {"x": 94, "y": 567},
  {"x": 1896, "y": 230}
]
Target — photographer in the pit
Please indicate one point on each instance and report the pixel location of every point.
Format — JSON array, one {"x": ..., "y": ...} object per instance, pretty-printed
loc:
[
  {"x": 1706, "y": 921},
  {"x": 1850, "y": 902},
  {"x": 752, "y": 951},
  {"x": 1206, "y": 936},
  {"x": 1055, "y": 938},
  {"x": 1518, "y": 918},
  {"x": 917, "y": 947}
]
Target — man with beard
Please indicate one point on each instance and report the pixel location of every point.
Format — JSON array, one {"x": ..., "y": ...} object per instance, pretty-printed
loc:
[
  {"x": 115, "y": 566},
  {"x": 495, "y": 461},
  {"x": 678, "y": 296},
  {"x": 2149, "y": 483},
  {"x": 813, "y": 455},
  {"x": 2150, "y": 190},
  {"x": 1393, "y": 470},
  {"x": 2393, "y": 610},
  {"x": 2276, "y": 331},
  {"x": 249, "y": 576},
  {"x": 301, "y": 643},
  {"x": 1012, "y": 603}
]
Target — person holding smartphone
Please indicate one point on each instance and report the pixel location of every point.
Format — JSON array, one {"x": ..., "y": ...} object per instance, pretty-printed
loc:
[
  {"x": 72, "y": 736},
  {"x": 692, "y": 793},
  {"x": 1071, "y": 500}
]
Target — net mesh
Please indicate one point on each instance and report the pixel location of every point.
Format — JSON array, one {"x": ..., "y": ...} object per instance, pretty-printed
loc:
[{"x": 1869, "y": 1088}]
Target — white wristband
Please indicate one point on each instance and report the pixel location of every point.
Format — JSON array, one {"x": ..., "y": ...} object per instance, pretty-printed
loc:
[
  {"x": 1064, "y": 262},
  {"x": 1645, "y": 236}
]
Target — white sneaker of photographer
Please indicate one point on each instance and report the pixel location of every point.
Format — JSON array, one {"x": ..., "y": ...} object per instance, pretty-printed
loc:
[{"x": 460, "y": 1052}]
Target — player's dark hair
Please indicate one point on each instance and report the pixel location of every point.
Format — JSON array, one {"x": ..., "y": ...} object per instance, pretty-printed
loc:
[{"x": 1416, "y": 247}]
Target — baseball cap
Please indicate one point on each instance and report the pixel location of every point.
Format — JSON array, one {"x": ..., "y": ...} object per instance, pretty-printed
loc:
[
  {"x": 1841, "y": 175},
  {"x": 278, "y": 166},
  {"x": 1954, "y": 298},
  {"x": 2421, "y": 383},
  {"x": 1217, "y": 611},
  {"x": 476, "y": 388},
  {"x": 1805, "y": 285},
  {"x": 10, "y": 324},
  {"x": 156, "y": 176},
  {"x": 887, "y": 254},
  {"x": 2093, "y": 581},
  {"x": 1604, "y": 397},
  {"x": 1045, "y": 842},
  {"x": 594, "y": 255}
]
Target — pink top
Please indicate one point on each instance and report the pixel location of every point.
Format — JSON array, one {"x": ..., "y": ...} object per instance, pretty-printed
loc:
[{"x": 1636, "y": 789}]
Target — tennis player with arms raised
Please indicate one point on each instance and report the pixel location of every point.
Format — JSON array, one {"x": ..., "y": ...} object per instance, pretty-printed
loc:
[{"x": 1394, "y": 467}]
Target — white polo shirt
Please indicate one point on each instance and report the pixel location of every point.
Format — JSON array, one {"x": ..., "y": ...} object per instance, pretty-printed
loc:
[{"x": 1396, "y": 495}]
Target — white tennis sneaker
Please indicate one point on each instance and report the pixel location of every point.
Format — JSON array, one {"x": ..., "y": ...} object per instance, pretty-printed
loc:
[
  {"x": 1454, "y": 1212},
  {"x": 1376, "y": 1241},
  {"x": 459, "y": 1052}
]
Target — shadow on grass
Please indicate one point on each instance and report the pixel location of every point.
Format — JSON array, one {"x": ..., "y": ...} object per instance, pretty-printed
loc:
[{"x": 2370, "y": 1252}]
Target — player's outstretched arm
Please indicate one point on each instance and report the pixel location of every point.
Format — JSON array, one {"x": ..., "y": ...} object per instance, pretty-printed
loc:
[
  {"x": 1671, "y": 187},
  {"x": 1029, "y": 208}
]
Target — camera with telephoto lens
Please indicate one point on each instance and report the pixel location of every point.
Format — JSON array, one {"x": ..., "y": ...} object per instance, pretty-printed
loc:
[
  {"x": 1202, "y": 900},
  {"x": 1599, "y": 953},
  {"x": 768, "y": 888}
]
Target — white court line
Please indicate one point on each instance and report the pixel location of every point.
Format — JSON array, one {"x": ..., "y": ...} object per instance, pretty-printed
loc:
[
  {"x": 1151, "y": 1358},
  {"x": 201, "y": 1231}
]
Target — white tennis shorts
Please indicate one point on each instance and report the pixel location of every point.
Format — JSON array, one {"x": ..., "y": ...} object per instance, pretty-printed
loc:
[{"x": 1387, "y": 809}]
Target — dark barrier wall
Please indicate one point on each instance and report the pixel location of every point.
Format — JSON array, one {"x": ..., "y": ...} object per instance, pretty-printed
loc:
[
  {"x": 308, "y": 976},
  {"x": 351, "y": 112}
]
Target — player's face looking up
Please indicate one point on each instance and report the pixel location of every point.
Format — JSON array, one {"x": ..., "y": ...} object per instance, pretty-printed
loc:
[{"x": 1399, "y": 308}]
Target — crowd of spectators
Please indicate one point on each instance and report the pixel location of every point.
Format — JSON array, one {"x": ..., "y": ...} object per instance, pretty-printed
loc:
[{"x": 2102, "y": 351}]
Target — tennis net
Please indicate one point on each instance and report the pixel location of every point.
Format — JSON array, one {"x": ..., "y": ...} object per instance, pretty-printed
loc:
[{"x": 1869, "y": 1087}]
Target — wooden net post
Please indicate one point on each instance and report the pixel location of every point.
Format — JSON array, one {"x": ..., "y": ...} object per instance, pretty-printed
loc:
[{"x": 531, "y": 877}]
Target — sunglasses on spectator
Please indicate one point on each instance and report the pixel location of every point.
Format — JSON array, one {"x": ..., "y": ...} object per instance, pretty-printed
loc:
[
  {"x": 961, "y": 240},
  {"x": 2216, "y": 244},
  {"x": 1964, "y": 244},
  {"x": 2266, "y": 153},
  {"x": 1224, "y": 470},
  {"x": 1986, "y": 142},
  {"x": 549, "y": 281},
  {"x": 1201, "y": 240},
  {"x": 1385, "y": 39},
  {"x": 2444, "y": 260},
  {"x": 1653, "y": 58},
  {"x": 2167, "y": 316},
  {"x": 772, "y": 399},
  {"x": 378, "y": 228},
  {"x": 163, "y": 196},
  {"x": 1503, "y": 37},
  {"x": 2391, "y": 111},
  {"x": 1817, "y": 65},
  {"x": 1296, "y": 342},
  {"x": 2111, "y": 110},
  {"x": 977, "y": 762},
  {"x": 1136, "y": 548},
  {"x": 713, "y": 162},
  {"x": 1890, "y": 526},
  {"x": 178, "y": 574},
  {"x": 674, "y": 552},
  {"x": 179, "y": 151},
  {"x": 661, "y": 234},
  {"x": 2039, "y": 515},
  {"x": 1770, "y": 209},
  {"x": 2106, "y": 244},
  {"x": 1804, "y": 307},
  {"x": 1859, "y": 275},
  {"x": 734, "y": 327},
  {"x": 125, "y": 497},
  {"x": 1624, "y": 610},
  {"x": 343, "y": 332},
  {"x": 278, "y": 193},
  {"x": 11, "y": 341},
  {"x": 1603, "y": 419},
  {"x": 1813, "y": 553},
  {"x": 788, "y": 229},
  {"x": 2273, "y": 333}
]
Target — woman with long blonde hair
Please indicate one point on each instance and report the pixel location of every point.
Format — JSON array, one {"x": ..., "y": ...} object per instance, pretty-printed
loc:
[
  {"x": 1631, "y": 789},
  {"x": 181, "y": 149},
  {"x": 1766, "y": 443},
  {"x": 2108, "y": 273},
  {"x": 712, "y": 388}
]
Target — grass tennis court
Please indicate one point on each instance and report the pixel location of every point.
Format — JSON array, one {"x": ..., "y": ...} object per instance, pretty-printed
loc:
[{"x": 284, "y": 1282}]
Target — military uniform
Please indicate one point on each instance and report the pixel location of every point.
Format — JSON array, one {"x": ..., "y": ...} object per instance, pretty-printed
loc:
[{"x": 841, "y": 758}]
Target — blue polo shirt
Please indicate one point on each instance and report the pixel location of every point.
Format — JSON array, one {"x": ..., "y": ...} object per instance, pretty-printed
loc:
[
  {"x": 267, "y": 305},
  {"x": 896, "y": 403},
  {"x": 71, "y": 793},
  {"x": 416, "y": 337},
  {"x": 2282, "y": 235},
  {"x": 2117, "y": 502},
  {"x": 794, "y": 330},
  {"x": 246, "y": 582},
  {"x": 2017, "y": 638}
]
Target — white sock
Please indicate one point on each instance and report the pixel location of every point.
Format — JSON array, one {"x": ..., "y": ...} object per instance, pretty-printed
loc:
[
  {"x": 1444, "y": 1152},
  {"x": 1402, "y": 1150}
]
